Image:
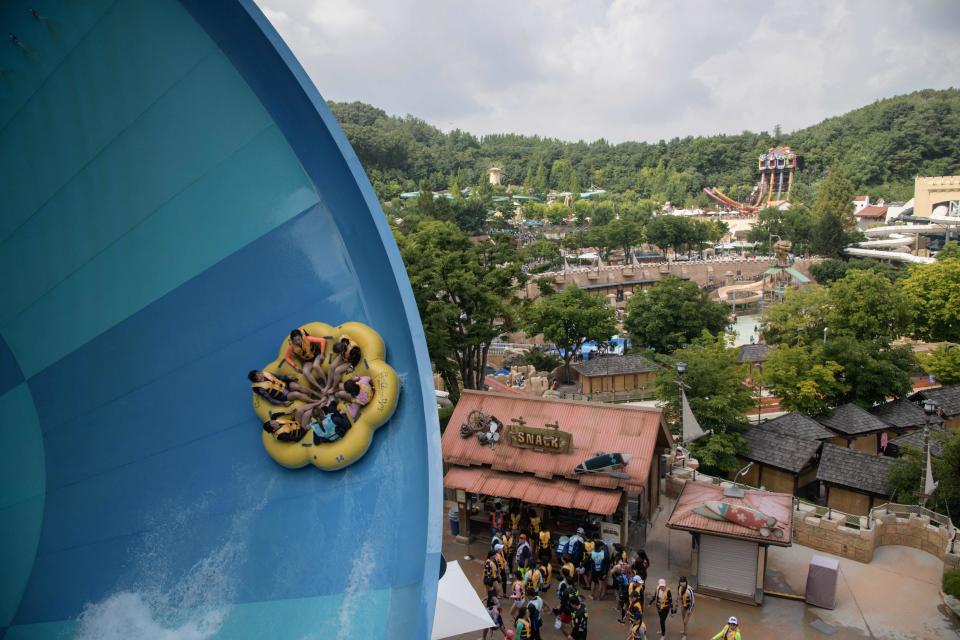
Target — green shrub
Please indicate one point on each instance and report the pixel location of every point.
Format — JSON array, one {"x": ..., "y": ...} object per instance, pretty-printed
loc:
[
  {"x": 951, "y": 583},
  {"x": 445, "y": 413}
]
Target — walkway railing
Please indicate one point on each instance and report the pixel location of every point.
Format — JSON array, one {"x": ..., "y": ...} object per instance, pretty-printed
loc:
[
  {"x": 905, "y": 510},
  {"x": 613, "y": 396}
]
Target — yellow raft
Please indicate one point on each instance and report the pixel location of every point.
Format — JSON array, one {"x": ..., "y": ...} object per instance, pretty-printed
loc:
[{"x": 331, "y": 456}]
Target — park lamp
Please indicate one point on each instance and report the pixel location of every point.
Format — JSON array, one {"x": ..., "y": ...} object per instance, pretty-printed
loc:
[
  {"x": 929, "y": 407},
  {"x": 681, "y": 368}
]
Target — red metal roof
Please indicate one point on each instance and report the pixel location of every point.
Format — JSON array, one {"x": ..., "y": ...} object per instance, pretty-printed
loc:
[
  {"x": 860, "y": 198},
  {"x": 595, "y": 427},
  {"x": 872, "y": 212},
  {"x": 557, "y": 493},
  {"x": 695, "y": 494}
]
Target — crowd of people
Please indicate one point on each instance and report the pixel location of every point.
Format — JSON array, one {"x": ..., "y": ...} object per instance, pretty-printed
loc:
[
  {"x": 519, "y": 570},
  {"x": 319, "y": 400}
]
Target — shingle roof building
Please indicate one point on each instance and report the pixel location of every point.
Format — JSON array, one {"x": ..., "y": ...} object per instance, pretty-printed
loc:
[
  {"x": 902, "y": 414},
  {"x": 798, "y": 426},
  {"x": 853, "y": 469},
  {"x": 777, "y": 450},
  {"x": 852, "y": 420},
  {"x": 915, "y": 439},
  {"x": 615, "y": 365},
  {"x": 752, "y": 353},
  {"x": 947, "y": 398}
]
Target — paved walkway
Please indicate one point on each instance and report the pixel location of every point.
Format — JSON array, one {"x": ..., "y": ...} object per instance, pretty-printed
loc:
[{"x": 895, "y": 597}]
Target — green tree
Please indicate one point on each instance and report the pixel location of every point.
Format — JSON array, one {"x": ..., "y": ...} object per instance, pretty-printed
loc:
[
  {"x": 568, "y": 319},
  {"x": 872, "y": 370},
  {"x": 717, "y": 396},
  {"x": 950, "y": 250},
  {"x": 867, "y": 305},
  {"x": 542, "y": 250},
  {"x": 833, "y": 212},
  {"x": 800, "y": 319},
  {"x": 943, "y": 363},
  {"x": 671, "y": 314},
  {"x": 557, "y": 213},
  {"x": 538, "y": 357},
  {"x": 464, "y": 292},
  {"x": 563, "y": 176},
  {"x": 714, "y": 384},
  {"x": 541, "y": 181},
  {"x": 803, "y": 379},
  {"x": 625, "y": 234},
  {"x": 904, "y": 478},
  {"x": 935, "y": 289}
]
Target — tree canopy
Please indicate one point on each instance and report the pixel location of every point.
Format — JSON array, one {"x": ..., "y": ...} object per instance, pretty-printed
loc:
[
  {"x": 570, "y": 318},
  {"x": 880, "y": 147},
  {"x": 672, "y": 313},
  {"x": 935, "y": 290},
  {"x": 904, "y": 478},
  {"x": 464, "y": 292}
]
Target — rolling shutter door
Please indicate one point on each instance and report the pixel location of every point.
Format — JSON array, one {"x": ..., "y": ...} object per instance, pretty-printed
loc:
[{"x": 728, "y": 565}]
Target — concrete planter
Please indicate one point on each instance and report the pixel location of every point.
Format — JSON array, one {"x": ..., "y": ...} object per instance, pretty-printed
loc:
[{"x": 953, "y": 604}]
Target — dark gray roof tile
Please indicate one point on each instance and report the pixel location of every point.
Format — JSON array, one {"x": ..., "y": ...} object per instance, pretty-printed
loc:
[
  {"x": 855, "y": 470},
  {"x": 851, "y": 420},
  {"x": 915, "y": 439},
  {"x": 948, "y": 398},
  {"x": 902, "y": 414},
  {"x": 615, "y": 365},
  {"x": 753, "y": 353},
  {"x": 799, "y": 426},
  {"x": 778, "y": 450}
]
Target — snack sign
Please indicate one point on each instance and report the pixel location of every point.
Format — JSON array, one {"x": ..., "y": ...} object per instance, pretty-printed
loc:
[{"x": 540, "y": 438}]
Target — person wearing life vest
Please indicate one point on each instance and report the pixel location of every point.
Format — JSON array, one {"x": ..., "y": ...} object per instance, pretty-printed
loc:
[
  {"x": 545, "y": 548},
  {"x": 507, "y": 540},
  {"x": 567, "y": 570},
  {"x": 517, "y": 600},
  {"x": 491, "y": 574},
  {"x": 328, "y": 424},
  {"x": 533, "y": 580},
  {"x": 621, "y": 586},
  {"x": 663, "y": 600},
  {"x": 638, "y": 631},
  {"x": 535, "y": 520},
  {"x": 501, "y": 566},
  {"x": 731, "y": 631},
  {"x": 496, "y": 617},
  {"x": 578, "y": 630},
  {"x": 524, "y": 555},
  {"x": 635, "y": 590},
  {"x": 566, "y": 592},
  {"x": 346, "y": 358},
  {"x": 515, "y": 517},
  {"x": 523, "y": 628},
  {"x": 357, "y": 393},
  {"x": 546, "y": 572},
  {"x": 305, "y": 349},
  {"x": 686, "y": 600},
  {"x": 535, "y": 608},
  {"x": 278, "y": 389},
  {"x": 284, "y": 427},
  {"x": 496, "y": 519}
]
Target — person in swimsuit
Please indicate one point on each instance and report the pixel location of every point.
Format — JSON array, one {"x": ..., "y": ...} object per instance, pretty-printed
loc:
[{"x": 357, "y": 392}]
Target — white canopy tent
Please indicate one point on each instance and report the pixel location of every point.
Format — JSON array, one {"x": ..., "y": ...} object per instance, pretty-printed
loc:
[{"x": 459, "y": 608}]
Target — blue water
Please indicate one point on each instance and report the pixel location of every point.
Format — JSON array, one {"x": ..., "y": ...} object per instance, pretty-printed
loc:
[{"x": 177, "y": 197}]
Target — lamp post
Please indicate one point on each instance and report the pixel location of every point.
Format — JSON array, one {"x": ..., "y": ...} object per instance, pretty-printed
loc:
[
  {"x": 826, "y": 330},
  {"x": 681, "y": 369},
  {"x": 929, "y": 408}
]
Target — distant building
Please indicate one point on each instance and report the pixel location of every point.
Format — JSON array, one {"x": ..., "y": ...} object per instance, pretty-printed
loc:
[
  {"x": 610, "y": 374},
  {"x": 495, "y": 174},
  {"x": 870, "y": 216},
  {"x": 856, "y": 428},
  {"x": 948, "y": 403},
  {"x": 859, "y": 202},
  {"x": 754, "y": 355}
]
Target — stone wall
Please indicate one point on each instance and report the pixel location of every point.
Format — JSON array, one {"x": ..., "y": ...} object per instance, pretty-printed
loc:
[{"x": 831, "y": 534}]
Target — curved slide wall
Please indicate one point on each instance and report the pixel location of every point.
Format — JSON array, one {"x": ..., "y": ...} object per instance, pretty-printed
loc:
[{"x": 177, "y": 197}]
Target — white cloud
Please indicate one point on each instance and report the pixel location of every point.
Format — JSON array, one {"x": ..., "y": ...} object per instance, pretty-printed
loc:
[{"x": 621, "y": 69}]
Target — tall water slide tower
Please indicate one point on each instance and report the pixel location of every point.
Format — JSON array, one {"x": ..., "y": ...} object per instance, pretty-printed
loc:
[{"x": 776, "y": 168}]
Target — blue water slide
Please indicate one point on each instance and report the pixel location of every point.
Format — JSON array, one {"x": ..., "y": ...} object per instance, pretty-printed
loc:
[{"x": 175, "y": 197}]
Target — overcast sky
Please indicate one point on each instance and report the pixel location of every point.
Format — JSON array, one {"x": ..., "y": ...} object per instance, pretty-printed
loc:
[{"x": 641, "y": 70}]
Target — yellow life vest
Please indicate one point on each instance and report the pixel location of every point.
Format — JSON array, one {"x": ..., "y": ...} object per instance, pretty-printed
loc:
[
  {"x": 515, "y": 520},
  {"x": 523, "y": 630},
  {"x": 589, "y": 546},
  {"x": 545, "y": 539},
  {"x": 685, "y": 598},
  {"x": 535, "y": 522},
  {"x": 273, "y": 386},
  {"x": 501, "y": 562},
  {"x": 568, "y": 569},
  {"x": 535, "y": 577},
  {"x": 635, "y": 590},
  {"x": 308, "y": 349},
  {"x": 663, "y": 594},
  {"x": 507, "y": 542}
]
